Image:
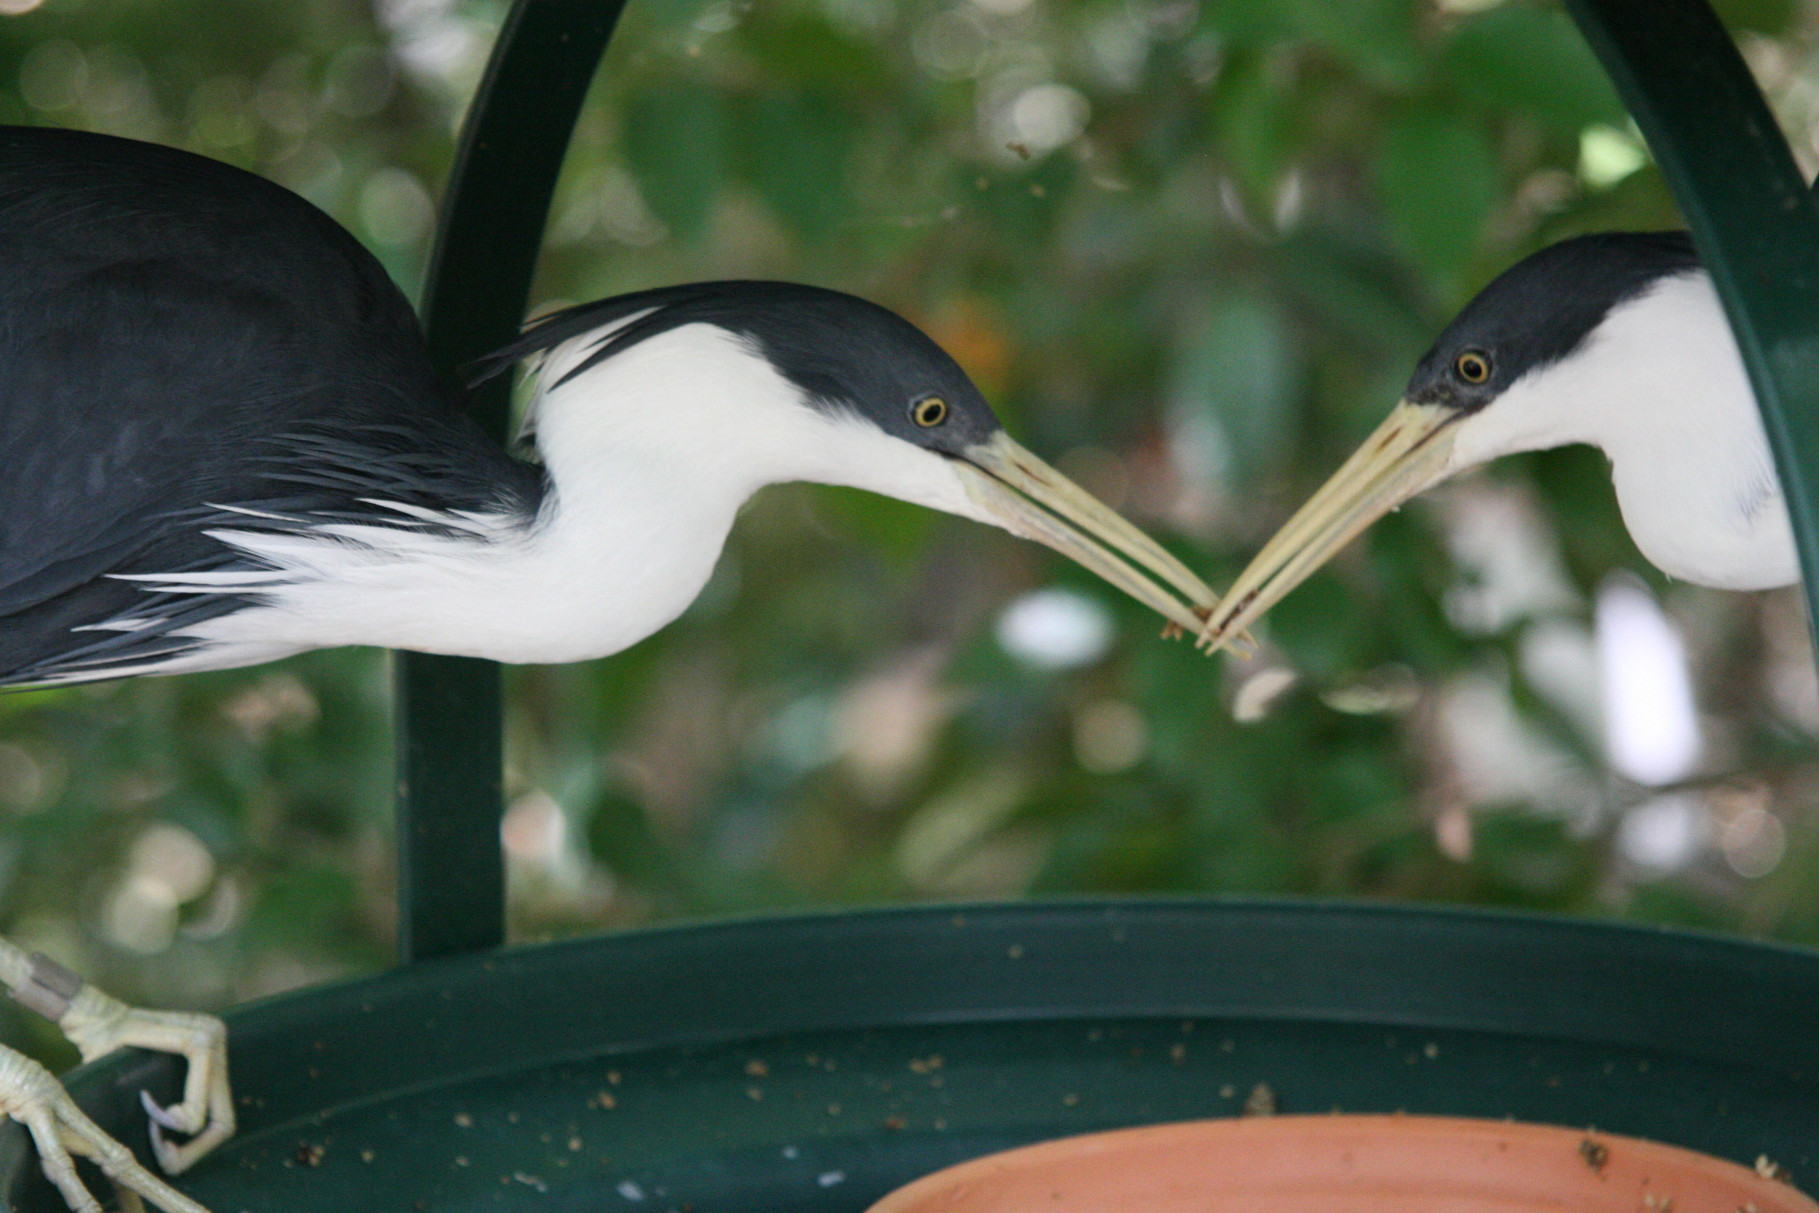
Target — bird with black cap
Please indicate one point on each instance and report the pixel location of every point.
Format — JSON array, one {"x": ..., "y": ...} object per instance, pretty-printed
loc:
[{"x": 1617, "y": 340}]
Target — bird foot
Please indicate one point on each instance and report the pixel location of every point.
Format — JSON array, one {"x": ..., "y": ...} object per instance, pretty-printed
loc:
[
  {"x": 98, "y": 1025},
  {"x": 31, "y": 1095}
]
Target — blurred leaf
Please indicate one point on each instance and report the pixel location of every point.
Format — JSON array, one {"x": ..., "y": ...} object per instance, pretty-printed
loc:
[
  {"x": 1414, "y": 572},
  {"x": 1575, "y": 481},
  {"x": 1359, "y": 293},
  {"x": 1253, "y": 120},
  {"x": 1239, "y": 363},
  {"x": 795, "y": 149},
  {"x": 1245, "y": 23},
  {"x": 1677, "y": 905},
  {"x": 1762, "y": 16},
  {"x": 1519, "y": 858},
  {"x": 805, "y": 49},
  {"x": 1375, "y": 37},
  {"x": 877, "y": 525},
  {"x": 675, "y": 139},
  {"x": 1640, "y": 202},
  {"x": 304, "y": 905},
  {"x": 1359, "y": 782},
  {"x": 1530, "y": 59},
  {"x": 1021, "y": 205},
  {"x": 1320, "y": 626},
  {"x": 1438, "y": 183},
  {"x": 619, "y": 835}
]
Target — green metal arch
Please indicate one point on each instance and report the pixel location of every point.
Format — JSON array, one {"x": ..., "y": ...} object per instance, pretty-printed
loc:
[{"x": 450, "y": 724}]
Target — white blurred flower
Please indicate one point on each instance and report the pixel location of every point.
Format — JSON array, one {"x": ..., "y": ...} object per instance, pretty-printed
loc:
[
  {"x": 1607, "y": 155},
  {"x": 535, "y": 829},
  {"x": 1258, "y": 693},
  {"x": 140, "y": 916},
  {"x": 1663, "y": 834},
  {"x": 175, "y": 858},
  {"x": 1047, "y": 116},
  {"x": 1651, "y": 727},
  {"x": 1055, "y": 629}
]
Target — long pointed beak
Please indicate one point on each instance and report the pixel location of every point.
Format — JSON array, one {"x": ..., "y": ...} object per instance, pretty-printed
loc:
[
  {"x": 1030, "y": 499},
  {"x": 1408, "y": 453}
]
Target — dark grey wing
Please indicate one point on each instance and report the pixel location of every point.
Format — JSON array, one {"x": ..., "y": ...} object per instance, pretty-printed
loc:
[{"x": 178, "y": 335}]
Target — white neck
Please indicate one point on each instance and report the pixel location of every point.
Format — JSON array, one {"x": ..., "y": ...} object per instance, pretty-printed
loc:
[
  {"x": 1660, "y": 387},
  {"x": 650, "y": 455}
]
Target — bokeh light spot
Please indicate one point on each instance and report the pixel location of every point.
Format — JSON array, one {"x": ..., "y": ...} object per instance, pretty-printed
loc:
[{"x": 1055, "y": 629}]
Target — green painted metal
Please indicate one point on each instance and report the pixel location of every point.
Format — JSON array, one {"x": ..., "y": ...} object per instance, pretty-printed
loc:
[
  {"x": 449, "y": 718},
  {"x": 813, "y": 1063},
  {"x": 1755, "y": 222},
  {"x": 450, "y": 756}
]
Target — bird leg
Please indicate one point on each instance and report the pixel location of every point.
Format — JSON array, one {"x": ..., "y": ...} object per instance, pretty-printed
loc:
[
  {"x": 31, "y": 1095},
  {"x": 97, "y": 1025}
]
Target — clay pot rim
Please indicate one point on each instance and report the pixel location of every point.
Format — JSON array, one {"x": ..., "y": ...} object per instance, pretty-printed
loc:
[{"x": 1445, "y": 1132}]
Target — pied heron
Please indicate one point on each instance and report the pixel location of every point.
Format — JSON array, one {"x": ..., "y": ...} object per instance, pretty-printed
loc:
[
  {"x": 223, "y": 443},
  {"x": 1615, "y": 339}
]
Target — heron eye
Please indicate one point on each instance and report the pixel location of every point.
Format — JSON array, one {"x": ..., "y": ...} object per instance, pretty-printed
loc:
[
  {"x": 928, "y": 412},
  {"x": 1473, "y": 367}
]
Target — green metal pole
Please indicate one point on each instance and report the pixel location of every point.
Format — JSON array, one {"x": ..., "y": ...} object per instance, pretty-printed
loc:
[
  {"x": 1754, "y": 221},
  {"x": 451, "y": 880}
]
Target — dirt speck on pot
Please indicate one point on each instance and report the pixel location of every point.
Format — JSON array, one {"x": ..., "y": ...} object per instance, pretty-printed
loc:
[{"x": 1768, "y": 1168}]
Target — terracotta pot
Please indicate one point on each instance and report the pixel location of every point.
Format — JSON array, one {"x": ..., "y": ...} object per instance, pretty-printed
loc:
[{"x": 1347, "y": 1164}]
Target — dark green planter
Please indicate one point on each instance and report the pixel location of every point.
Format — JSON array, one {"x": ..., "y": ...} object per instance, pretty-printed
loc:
[{"x": 817, "y": 1062}]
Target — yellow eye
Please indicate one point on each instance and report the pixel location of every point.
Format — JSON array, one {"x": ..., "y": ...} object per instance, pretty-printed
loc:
[
  {"x": 1473, "y": 367},
  {"x": 928, "y": 412}
]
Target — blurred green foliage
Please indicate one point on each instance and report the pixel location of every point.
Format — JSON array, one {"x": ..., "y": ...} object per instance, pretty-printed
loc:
[{"x": 1190, "y": 250}]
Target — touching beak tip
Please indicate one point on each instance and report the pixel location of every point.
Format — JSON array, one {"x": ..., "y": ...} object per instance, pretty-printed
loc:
[{"x": 1408, "y": 453}]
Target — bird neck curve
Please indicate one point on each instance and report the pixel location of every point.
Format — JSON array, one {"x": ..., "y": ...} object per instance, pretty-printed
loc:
[
  {"x": 649, "y": 456},
  {"x": 1660, "y": 387}
]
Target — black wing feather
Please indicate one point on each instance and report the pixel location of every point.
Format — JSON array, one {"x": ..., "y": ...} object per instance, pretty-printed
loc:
[
  {"x": 547, "y": 332},
  {"x": 178, "y": 335}
]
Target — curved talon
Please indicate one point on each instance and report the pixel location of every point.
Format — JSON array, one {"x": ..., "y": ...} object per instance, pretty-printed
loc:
[
  {"x": 168, "y": 1153},
  {"x": 170, "y": 1118}
]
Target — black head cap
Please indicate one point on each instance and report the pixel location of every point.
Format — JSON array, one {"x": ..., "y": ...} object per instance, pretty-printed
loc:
[
  {"x": 1540, "y": 310},
  {"x": 847, "y": 355}
]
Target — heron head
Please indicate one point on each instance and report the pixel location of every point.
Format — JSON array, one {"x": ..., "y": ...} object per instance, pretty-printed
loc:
[
  {"x": 1516, "y": 370},
  {"x": 788, "y": 382}
]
